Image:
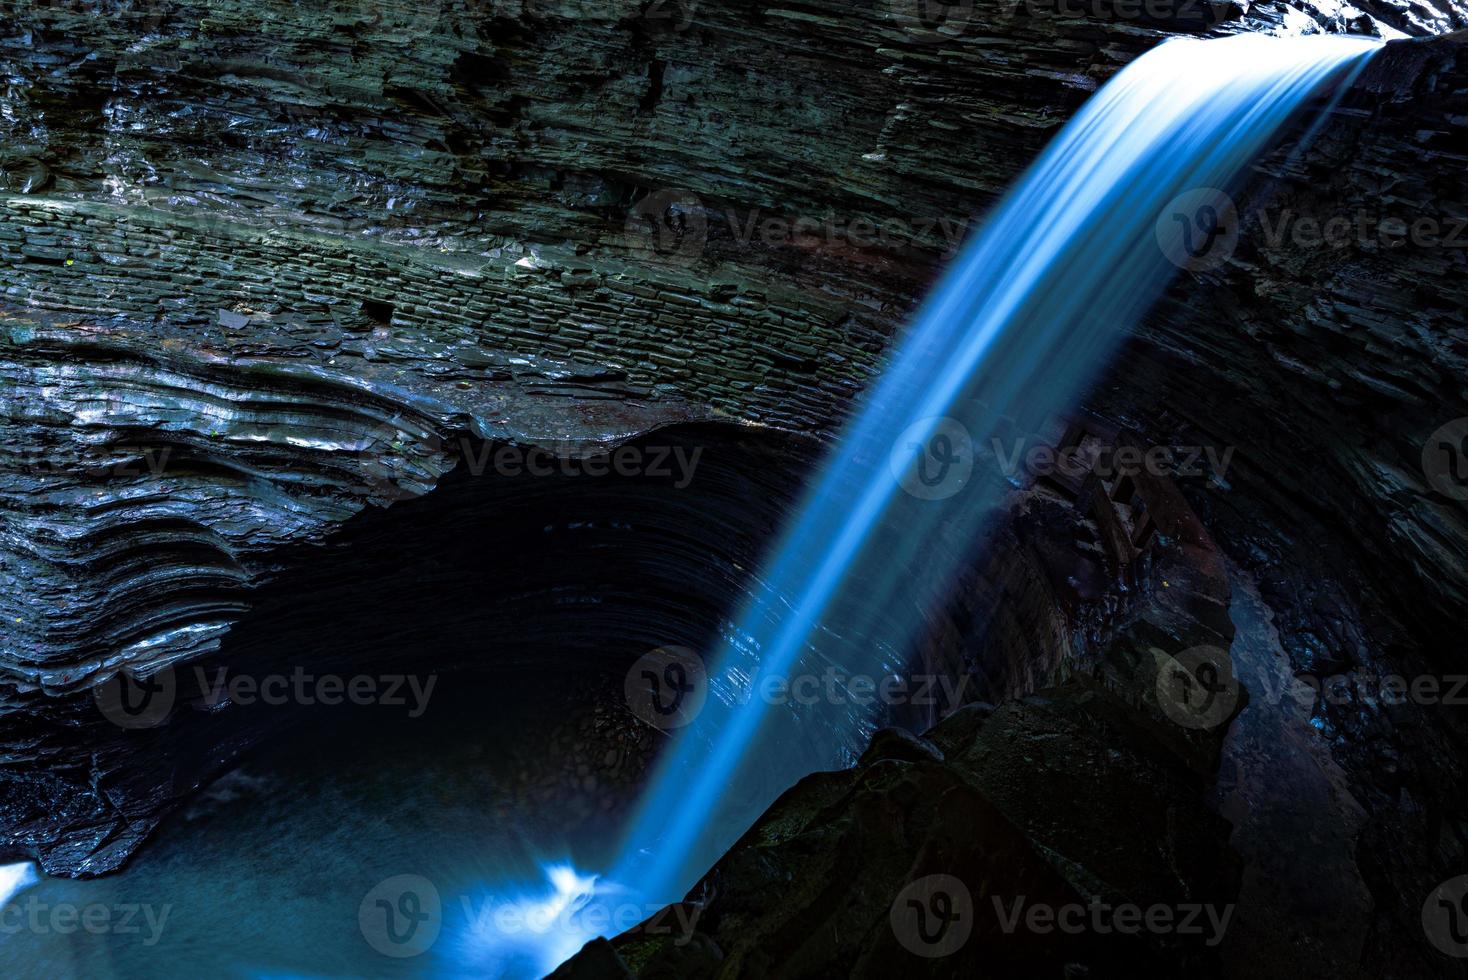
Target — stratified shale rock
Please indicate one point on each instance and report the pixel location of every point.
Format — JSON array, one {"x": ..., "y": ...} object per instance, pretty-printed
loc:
[
  {"x": 430, "y": 196},
  {"x": 266, "y": 267},
  {"x": 1328, "y": 351},
  {"x": 147, "y": 487}
]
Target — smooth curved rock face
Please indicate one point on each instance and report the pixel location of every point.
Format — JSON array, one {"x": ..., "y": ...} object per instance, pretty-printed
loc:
[
  {"x": 519, "y": 568},
  {"x": 149, "y": 486},
  {"x": 150, "y": 489}
]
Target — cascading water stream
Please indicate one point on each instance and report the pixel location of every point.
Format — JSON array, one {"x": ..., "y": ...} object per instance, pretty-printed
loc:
[{"x": 1129, "y": 191}]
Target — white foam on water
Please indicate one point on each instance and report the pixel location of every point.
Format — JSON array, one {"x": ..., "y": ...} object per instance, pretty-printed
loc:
[{"x": 14, "y": 877}]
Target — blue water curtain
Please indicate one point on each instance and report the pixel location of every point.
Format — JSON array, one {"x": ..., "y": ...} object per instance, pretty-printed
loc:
[{"x": 1132, "y": 190}]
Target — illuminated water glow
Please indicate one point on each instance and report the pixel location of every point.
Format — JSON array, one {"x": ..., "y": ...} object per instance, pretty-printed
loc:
[
  {"x": 1028, "y": 315},
  {"x": 530, "y": 934},
  {"x": 14, "y": 877}
]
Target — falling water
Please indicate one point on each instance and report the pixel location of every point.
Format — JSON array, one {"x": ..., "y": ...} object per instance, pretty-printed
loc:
[
  {"x": 14, "y": 877},
  {"x": 1131, "y": 190}
]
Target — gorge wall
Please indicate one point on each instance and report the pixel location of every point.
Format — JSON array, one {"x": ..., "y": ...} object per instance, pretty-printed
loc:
[{"x": 263, "y": 267}]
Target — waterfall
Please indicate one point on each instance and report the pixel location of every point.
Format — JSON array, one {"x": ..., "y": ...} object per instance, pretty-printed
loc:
[{"x": 1132, "y": 189}]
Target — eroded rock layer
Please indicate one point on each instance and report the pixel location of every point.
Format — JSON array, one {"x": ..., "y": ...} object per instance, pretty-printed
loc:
[
  {"x": 413, "y": 197},
  {"x": 264, "y": 267}
]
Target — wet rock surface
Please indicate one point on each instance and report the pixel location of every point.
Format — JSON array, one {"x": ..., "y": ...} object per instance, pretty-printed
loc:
[
  {"x": 436, "y": 218},
  {"x": 820, "y": 886},
  {"x": 1087, "y": 790},
  {"x": 1331, "y": 362},
  {"x": 262, "y": 267},
  {"x": 535, "y": 572}
]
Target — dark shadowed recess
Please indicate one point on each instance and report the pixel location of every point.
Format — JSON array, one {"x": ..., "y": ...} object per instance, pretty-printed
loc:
[
  {"x": 505, "y": 589},
  {"x": 493, "y": 582}
]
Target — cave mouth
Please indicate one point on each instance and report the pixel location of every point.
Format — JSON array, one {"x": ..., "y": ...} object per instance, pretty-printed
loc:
[
  {"x": 446, "y": 690},
  {"x": 439, "y": 689}
]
